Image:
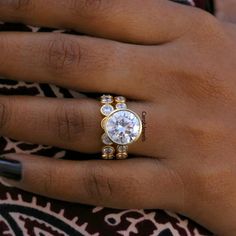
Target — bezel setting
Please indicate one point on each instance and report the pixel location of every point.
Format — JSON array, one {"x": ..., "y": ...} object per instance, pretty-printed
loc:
[{"x": 123, "y": 126}]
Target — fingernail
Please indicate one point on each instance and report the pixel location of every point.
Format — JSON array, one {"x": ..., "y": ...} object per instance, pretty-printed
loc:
[{"x": 10, "y": 169}]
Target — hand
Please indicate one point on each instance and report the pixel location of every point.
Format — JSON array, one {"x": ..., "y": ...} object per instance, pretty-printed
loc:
[{"x": 174, "y": 62}]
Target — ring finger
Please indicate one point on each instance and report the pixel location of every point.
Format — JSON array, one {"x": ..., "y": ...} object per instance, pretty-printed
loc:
[{"x": 67, "y": 123}]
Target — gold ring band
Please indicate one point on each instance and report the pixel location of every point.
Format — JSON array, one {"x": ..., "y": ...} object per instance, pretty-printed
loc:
[{"x": 121, "y": 127}]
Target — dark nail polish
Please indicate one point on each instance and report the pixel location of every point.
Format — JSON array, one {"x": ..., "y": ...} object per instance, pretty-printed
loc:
[{"x": 10, "y": 169}]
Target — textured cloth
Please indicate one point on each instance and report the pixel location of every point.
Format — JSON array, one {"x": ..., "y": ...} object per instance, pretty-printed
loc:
[{"x": 26, "y": 214}]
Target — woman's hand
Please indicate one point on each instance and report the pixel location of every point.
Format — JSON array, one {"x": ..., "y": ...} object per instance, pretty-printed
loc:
[{"x": 175, "y": 63}]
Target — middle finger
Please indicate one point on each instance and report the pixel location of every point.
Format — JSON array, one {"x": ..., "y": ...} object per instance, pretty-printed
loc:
[{"x": 78, "y": 62}]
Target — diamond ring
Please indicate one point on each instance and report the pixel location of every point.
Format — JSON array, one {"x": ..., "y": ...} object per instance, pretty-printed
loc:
[{"x": 121, "y": 126}]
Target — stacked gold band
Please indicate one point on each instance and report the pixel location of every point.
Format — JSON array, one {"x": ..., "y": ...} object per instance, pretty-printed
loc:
[
  {"x": 110, "y": 150},
  {"x": 121, "y": 127}
]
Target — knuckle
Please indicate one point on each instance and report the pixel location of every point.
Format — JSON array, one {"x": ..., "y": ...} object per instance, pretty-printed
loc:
[
  {"x": 63, "y": 54},
  {"x": 203, "y": 83},
  {"x": 98, "y": 184},
  {"x": 204, "y": 133},
  {"x": 48, "y": 183},
  {"x": 5, "y": 48},
  {"x": 178, "y": 181},
  {"x": 70, "y": 122},
  {"x": 4, "y": 113},
  {"x": 213, "y": 183},
  {"x": 209, "y": 27}
]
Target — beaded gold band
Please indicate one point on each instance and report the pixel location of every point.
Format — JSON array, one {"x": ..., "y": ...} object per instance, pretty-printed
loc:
[{"x": 121, "y": 127}]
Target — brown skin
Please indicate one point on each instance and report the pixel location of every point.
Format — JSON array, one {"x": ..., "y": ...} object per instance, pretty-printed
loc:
[{"x": 177, "y": 63}]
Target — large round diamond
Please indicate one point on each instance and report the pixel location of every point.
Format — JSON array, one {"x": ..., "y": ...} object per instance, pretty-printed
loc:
[{"x": 123, "y": 127}]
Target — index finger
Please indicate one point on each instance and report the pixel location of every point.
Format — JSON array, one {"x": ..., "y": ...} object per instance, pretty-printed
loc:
[{"x": 139, "y": 21}]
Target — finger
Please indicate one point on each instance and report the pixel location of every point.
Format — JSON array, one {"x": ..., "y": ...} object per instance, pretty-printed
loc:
[
  {"x": 134, "y": 183},
  {"x": 80, "y": 63},
  {"x": 73, "y": 124},
  {"x": 140, "y": 21}
]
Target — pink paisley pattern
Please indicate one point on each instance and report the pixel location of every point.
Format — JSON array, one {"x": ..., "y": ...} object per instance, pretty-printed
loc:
[{"x": 26, "y": 214}]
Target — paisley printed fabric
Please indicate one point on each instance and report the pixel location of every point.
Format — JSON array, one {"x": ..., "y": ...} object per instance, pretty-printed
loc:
[{"x": 26, "y": 214}]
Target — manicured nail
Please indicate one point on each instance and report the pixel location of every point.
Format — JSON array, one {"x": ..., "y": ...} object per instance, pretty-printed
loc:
[{"x": 10, "y": 169}]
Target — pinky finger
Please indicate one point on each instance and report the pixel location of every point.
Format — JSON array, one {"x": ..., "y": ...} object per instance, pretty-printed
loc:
[{"x": 133, "y": 183}]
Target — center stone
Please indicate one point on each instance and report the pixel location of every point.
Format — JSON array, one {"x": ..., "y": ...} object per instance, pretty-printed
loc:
[{"x": 123, "y": 127}]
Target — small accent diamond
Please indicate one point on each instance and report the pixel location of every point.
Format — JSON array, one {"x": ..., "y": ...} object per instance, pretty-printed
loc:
[
  {"x": 106, "y": 99},
  {"x": 121, "y": 106},
  {"x": 120, "y": 99},
  {"x": 107, "y": 109},
  {"x": 108, "y": 150},
  {"x": 106, "y": 140},
  {"x": 122, "y": 148}
]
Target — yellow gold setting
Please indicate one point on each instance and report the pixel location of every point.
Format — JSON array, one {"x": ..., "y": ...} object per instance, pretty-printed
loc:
[
  {"x": 103, "y": 122},
  {"x": 121, "y": 126}
]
